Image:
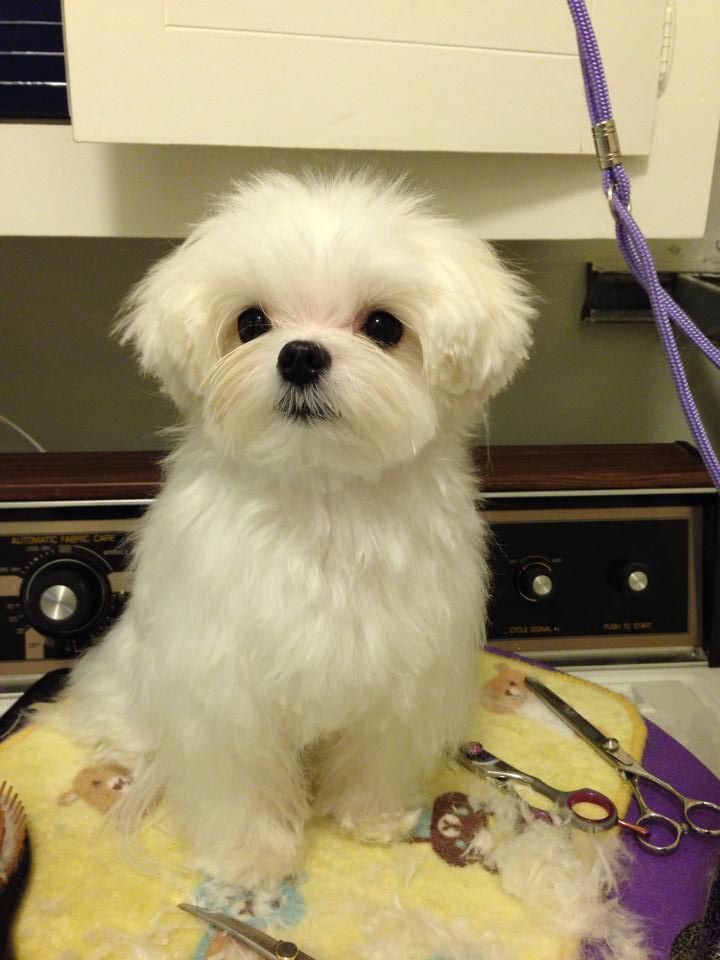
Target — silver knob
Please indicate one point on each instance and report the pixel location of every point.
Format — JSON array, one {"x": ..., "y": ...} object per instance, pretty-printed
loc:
[
  {"x": 58, "y": 602},
  {"x": 64, "y": 596},
  {"x": 633, "y": 577},
  {"x": 637, "y": 581},
  {"x": 536, "y": 580},
  {"x": 541, "y": 585}
]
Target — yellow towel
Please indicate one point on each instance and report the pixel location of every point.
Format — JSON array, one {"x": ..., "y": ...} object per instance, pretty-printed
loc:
[{"x": 433, "y": 897}]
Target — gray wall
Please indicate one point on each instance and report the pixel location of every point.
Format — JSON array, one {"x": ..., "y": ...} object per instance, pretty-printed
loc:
[
  {"x": 66, "y": 382},
  {"x": 64, "y": 379}
]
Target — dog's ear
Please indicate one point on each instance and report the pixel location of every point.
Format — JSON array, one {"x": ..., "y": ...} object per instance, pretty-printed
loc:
[
  {"x": 478, "y": 330},
  {"x": 165, "y": 319}
]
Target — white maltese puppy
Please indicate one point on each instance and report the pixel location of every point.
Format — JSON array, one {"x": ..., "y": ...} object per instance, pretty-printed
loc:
[{"x": 310, "y": 584}]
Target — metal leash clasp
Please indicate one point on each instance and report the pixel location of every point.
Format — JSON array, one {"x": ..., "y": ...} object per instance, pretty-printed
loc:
[
  {"x": 609, "y": 154},
  {"x": 610, "y": 199},
  {"x": 607, "y": 144}
]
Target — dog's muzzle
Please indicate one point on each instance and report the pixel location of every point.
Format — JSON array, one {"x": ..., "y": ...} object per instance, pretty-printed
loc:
[{"x": 302, "y": 362}]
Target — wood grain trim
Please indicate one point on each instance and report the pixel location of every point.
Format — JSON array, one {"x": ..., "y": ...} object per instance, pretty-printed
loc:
[
  {"x": 589, "y": 467},
  {"x": 129, "y": 475},
  {"x": 120, "y": 475}
]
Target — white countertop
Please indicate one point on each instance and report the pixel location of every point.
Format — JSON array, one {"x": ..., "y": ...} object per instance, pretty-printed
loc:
[{"x": 682, "y": 699}]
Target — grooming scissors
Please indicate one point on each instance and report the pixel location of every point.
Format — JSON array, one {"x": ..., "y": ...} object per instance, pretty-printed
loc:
[
  {"x": 628, "y": 768},
  {"x": 473, "y": 756},
  {"x": 259, "y": 941}
]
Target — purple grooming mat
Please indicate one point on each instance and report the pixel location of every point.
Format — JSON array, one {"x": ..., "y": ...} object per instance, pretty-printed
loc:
[{"x": 670, "y": 892}]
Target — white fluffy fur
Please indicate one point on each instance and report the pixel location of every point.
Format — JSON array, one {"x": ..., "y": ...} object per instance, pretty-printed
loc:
[
  {"x": 569, "y": 876},
  {"x": 308, "y": 596}
]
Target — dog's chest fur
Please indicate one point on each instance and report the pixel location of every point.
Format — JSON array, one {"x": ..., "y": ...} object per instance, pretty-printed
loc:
[{"x": 312, "y": 587}]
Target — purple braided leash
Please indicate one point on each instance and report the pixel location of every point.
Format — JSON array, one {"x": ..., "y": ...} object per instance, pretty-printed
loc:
[{"x": 632, "y": 243}]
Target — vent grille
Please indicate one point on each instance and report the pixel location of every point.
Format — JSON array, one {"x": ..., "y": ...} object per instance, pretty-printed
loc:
[{"x": 33, "y": 85}]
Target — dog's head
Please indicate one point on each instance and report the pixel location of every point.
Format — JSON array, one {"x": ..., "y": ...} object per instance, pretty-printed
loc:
[{"x": 334, "y": 322}]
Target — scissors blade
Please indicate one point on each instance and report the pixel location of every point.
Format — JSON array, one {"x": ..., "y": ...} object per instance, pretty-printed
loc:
[
  {"x": 258, "y": 940},
  {"x": 596, "y": 738}
]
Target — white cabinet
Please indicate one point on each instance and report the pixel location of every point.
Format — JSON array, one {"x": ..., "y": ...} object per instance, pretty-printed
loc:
[
  {"x": 479, "y": 101},
  {"x": 478, "y": 76}
]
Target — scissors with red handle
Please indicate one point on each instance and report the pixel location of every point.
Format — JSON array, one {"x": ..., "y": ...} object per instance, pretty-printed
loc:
[{"x": 473, "y": 756}]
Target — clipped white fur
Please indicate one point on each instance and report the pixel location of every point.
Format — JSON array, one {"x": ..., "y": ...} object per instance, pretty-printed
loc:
[
  {"x": 308, "y": 597},
  {"x": 417, "y": 934},
  {"x": 569, "y": 876}
]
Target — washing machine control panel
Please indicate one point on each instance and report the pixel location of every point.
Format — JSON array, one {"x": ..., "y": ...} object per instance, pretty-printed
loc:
[
  {"x": 62, "y": 583},
  {"x": 588, "y": 579}
]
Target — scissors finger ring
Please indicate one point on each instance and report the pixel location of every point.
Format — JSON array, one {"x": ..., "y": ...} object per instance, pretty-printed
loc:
[
  {"x": 587, "y": 795},
  {"x": 694, "y": 809},
  {"x": 662, "y": 825}
]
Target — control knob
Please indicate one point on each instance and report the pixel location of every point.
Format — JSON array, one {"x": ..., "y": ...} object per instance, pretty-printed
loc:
[
  {"x": 65, "y": 596},
  {"x": 536, "y": 580},
  {"x": 634, "y": 579}
]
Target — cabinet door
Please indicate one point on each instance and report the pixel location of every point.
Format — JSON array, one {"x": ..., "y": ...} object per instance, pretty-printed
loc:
[{"x": 478, "y": 76}]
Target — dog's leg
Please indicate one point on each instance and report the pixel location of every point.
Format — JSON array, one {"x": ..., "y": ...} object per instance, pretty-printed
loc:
[
  {"x": 241, "y": 803},
  {"x": 370, "y": 780},
  {"x": 373, "y": 776},
  {"x": 98, "y": 708}
]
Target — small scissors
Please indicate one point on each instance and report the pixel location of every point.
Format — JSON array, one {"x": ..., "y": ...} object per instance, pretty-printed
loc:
[
  {"x": 473, "y": 756},
  {"x": 259, "y": 941},
  {"x": 610, "y": 749}
]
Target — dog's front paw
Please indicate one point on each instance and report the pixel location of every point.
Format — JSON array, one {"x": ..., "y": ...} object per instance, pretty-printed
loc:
[
  {"x": 251, "y": 864},
  {"x": 382, "y": 828}
]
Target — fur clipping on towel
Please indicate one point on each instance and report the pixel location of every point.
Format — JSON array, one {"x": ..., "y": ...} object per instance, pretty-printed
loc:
[
  {"x": 571, "y": 876},
  {"x": 418, "y": 934}
]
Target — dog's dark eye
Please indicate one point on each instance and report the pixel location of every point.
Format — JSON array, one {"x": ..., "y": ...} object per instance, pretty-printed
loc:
[
  {"x": 252, "y": 323},
  {"x": 382, "y": 327}
]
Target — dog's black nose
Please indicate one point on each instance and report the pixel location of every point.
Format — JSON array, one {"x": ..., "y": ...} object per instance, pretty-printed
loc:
[{"x": 302, "y": 362}]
